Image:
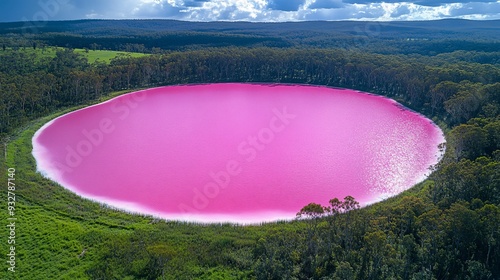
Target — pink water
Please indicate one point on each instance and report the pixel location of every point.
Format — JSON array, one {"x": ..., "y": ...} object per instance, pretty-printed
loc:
[{"x": 241, "y": 153}]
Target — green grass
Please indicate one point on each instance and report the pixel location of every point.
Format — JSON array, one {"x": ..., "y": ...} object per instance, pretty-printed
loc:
[
  {"x": 105, "y": 56},
  {"x": 45, "y": 53},
  {"x": 92, "y": 56}
]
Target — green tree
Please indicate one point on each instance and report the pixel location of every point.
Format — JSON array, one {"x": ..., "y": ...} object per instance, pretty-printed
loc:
[
  {"x": 312, "y": 210},
  {"x": 466, "y": 103},
  {"x": 490, "y": 224},
  {"x": 160, "y": 254},
  {"x": 493, "y": 136},
  {"x": 343, "y": 271},
  {"x": 469, "y": 141}
]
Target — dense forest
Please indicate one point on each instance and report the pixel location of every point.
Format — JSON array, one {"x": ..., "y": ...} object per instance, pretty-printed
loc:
[
  {"x": 151, "y": 36},
  {"x": 447, "y": 227}
]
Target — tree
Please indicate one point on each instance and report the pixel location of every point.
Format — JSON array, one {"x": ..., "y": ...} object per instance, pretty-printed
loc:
[
  {"x": 350, "y": 203},
  {"x": 160, "y": 254},
  {"x": 338, "y": 206},
  {"x": 376, "y": 252},
  {"x": 344, "y": 271},
  {"x": 311, "y": 210},
  {"x": 477, "y": 271},
  {"x": 493, "y": 131},
  {"x": 490, "y": 224},
  {"x": 430, "y": 230},
  {"x": 469, "y": 141},
  {"x": 462, "y": 226},
  {"x": 466, "y": 103},
  {"x": 442, "y": 92}
]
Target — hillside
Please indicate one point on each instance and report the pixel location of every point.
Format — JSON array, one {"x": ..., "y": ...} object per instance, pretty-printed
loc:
[{"x": 422, "y": 37}]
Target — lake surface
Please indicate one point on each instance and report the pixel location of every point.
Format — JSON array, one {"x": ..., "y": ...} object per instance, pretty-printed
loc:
[{"x": 241, "y": 153}]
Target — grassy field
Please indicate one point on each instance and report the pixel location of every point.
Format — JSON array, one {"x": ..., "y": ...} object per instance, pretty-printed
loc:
[
  {"x": 92, "y": 56},
  {"x": 105, "y": 56}
]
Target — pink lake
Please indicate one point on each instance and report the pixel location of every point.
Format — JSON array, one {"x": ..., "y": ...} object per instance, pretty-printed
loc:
[{"x": 242, "y": 153}]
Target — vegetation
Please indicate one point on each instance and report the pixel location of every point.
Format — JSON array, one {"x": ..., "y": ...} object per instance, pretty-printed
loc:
[
  {"x": 448, "y": 227},
  {"x": 92, "y": 56}
]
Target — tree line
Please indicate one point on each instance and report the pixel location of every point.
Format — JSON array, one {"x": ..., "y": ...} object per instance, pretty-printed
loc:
[{"x": 31, "y": 86}]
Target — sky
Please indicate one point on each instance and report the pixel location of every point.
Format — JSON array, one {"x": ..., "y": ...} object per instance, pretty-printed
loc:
[{"x": 248, "y": 10}]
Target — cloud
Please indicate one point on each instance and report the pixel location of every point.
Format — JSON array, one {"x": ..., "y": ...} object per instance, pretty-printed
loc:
[
  {"x": 326, "y": 4},
  {"x": 194, "y": 3},
  {"x": 476, "y": 10},
  {"x": 248, "y": 10},
  {"x": 121, "y": 9},
  {"x": 442, "y": 2},
  {"x": 348, "y": 12},
  {"x": 400, "y": 11},
  {"x": 232, "y": 10},
  {"x": 285, "y": 5},
  {"x": 430, "y": 3},
  {"x": 156, "y": 10}
]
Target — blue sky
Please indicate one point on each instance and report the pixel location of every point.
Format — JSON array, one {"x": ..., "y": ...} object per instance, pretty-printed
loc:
[{"x": 248, "y": 10}]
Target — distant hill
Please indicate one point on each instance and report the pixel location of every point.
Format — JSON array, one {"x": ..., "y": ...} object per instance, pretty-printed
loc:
[
  {"x": 386, "y": 37},
  {"x": 491, "y": 28}
]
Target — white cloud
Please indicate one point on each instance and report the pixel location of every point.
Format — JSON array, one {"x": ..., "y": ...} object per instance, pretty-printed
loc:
[
  {"x": 227, "y": 10},
  {"x": 258, "y": 10},
  {"x": 407, "y": 11},
  {"x": 477, "y": 10}
]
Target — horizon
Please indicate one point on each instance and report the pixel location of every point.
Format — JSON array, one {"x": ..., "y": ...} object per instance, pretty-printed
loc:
[
  {"x": 247, "y": 21},
  {"x": 249, "y": 10}
]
